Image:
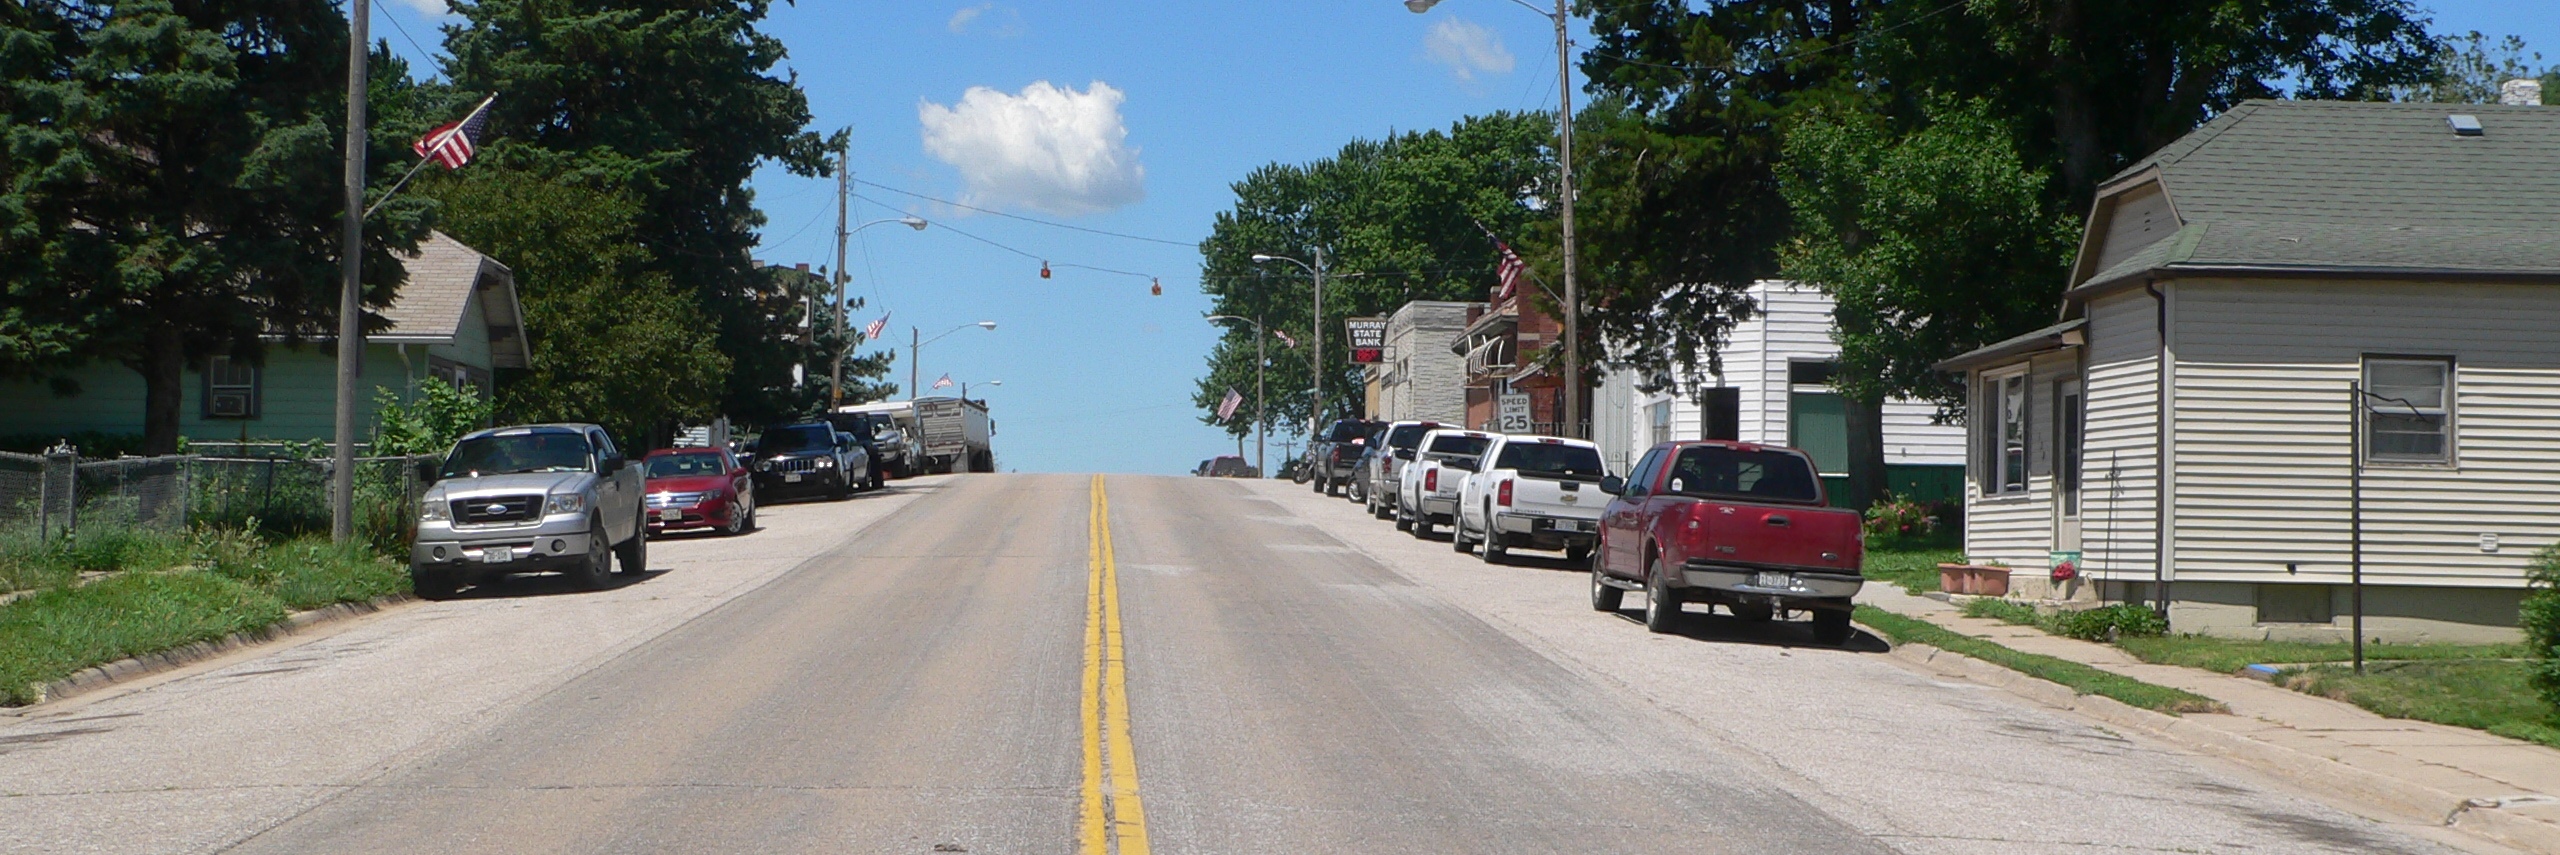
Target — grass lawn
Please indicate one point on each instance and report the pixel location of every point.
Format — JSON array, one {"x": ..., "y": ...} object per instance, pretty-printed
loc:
[
  {"x": 1916, "y": 570},
  {"x": 2225, "y": 655},
  {"x": 2079, "y": 678},
  {"x": 167, "y": 590},
  {"x": 2488, "y": 695}
]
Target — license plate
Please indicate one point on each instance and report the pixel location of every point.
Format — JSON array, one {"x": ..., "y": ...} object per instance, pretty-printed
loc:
[
  {"x": 497, "y": 555},
  {"x": 792, "y": 478},
  {"x": 1773, "y": 580},
  {"x": 670, "y": 514},
  {"x": 1575, "y": 525}
]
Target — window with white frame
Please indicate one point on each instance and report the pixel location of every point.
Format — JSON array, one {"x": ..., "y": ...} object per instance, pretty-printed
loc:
[
  {"x": 2004, "y": 451},
  {"x": 2408, "y": 409},
  {"x": 230, "y": 389},
  {"x": 1660, "y": 415}
]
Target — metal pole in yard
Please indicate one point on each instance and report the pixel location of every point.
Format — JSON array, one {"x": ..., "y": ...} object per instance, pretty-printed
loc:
[
  {"x": 342, "y": 483},
  {"x": 2355, "y": 516}
]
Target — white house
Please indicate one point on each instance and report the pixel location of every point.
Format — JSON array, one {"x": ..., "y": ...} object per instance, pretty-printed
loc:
[
  {"x": 1776, "y": 389},
  {"x": 2318, "y": 294}
]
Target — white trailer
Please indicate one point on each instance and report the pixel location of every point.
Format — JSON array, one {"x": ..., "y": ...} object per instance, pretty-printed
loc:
[{"x": 958, "y": 435}]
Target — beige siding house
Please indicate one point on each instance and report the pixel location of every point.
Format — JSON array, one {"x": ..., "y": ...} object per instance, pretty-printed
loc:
[{"x": 2350, "y": 313}]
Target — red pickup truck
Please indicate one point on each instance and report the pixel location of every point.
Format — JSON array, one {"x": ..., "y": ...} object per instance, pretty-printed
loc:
[{"x": 1732, "y": 524}]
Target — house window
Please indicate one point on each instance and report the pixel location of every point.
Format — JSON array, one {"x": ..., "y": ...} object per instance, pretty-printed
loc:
[
  {"x": 2408, "y": 410},
  {"x": 1817, "y": 418},
  {"x": 2005, "y": 440},
  {"x": 1660, "y": 414},
  {"x": 230, "y": 389},
  {"x": 1720, "y": 411},
  {"x": 2067, "y": 416}
]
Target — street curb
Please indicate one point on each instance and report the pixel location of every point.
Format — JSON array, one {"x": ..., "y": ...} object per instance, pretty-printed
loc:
[
  {"x": 97, "y": 677},
  {"x": 2310, "y": 771}
]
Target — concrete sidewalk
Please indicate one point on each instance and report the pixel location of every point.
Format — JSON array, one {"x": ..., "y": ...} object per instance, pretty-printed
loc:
[{"x": 2500, "y": 788}]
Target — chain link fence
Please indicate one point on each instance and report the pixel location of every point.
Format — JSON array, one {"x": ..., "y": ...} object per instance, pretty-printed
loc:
[{"x": 58, "y": 493}]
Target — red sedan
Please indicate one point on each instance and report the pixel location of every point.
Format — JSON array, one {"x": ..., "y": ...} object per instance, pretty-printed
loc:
[{"x": 698, "y": 488}]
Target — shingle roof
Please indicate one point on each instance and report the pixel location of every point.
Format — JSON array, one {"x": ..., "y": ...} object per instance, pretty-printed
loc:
[
  {"x": 443, "y": 275},
  {"x": 2359, "y": 186}
]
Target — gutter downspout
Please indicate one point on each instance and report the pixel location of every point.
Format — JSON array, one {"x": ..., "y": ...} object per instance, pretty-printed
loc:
[{"x": 2164, "y": 482}]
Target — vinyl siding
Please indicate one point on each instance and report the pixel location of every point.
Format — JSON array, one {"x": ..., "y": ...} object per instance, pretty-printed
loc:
[
  {"x": 296, "y": 398},
  {"x": 2263, "y": 431},
  {"x": 2119, "y": 525},
  {"x": 2016, "y": 529},
  {"x": 2140, "y": 218},
  {"x": 1430, "y": 380}
]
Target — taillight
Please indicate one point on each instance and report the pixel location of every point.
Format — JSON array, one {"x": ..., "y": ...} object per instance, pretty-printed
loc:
[
  {"x": 1503, "y": 496},
  {"x": 1431, "y": 480}
]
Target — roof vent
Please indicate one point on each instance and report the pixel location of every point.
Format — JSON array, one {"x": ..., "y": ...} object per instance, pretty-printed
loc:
[
  {"x": 2464, "y": 125},
  {"x": 2520, "y": 92}
]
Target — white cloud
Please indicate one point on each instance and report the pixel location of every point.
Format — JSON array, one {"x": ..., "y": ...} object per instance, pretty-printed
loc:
[
  {"x": 1049, "y": 148},
  {"x": 429, "y": 8},
  {"x": 959, "y": 20},
  {"x": 1466, "y": 48}
]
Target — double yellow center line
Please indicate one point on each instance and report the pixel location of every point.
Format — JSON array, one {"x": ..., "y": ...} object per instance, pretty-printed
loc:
[{"x": 1111, "y": 819}]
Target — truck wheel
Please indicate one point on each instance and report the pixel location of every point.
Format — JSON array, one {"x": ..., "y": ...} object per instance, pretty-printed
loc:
[
  {"x": 1604, "y": 596},
  {"x": 434, "y": 584},
  {"x": 1831, "y": 626},
  {"x": 1494, "y": 550},
  {"x": 1421, "y": 527},
  {"x": 878, "y": 480},
  {"x": 1458, "y": 534},
  {"x": 633, "y": 555},
  {"x": 1661, "y": 601},
  {"x": 1403, "y": 523},
  {"x": 593, "y": 571},
  {"x": 1382, "y": 510}
]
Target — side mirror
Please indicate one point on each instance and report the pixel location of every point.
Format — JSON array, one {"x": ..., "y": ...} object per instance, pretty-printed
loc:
[
  {"x": 1404, "y": 454},
  {"x": 1613, "y": 485},
  {"x": 611, "y": 463}
]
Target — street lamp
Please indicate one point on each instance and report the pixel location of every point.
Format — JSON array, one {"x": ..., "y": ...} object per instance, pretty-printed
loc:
[
  {"x": 1261, "y": 360},
  {"x": 1564, "y": 149},
  {"x": 844, "y": 323},
  {"x": 1315, "y": 406},
  {"x": 916, "y": 342},
  {"x": 964, "y": 387}
]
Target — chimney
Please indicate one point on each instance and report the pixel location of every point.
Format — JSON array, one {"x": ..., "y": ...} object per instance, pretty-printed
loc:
[
  {"x": 2521, "y": 92},
  {"x": 802, "y": 267}
]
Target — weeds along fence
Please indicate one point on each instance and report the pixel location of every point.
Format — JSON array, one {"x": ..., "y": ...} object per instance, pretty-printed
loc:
[{"x": 58, "y": 494}]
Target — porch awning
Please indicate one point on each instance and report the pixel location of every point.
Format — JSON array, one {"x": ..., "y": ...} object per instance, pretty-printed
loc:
[{"x": 2052, "y": 338}]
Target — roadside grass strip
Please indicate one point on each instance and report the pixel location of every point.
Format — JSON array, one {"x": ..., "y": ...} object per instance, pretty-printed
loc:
[
  {"x": 2077, "y": 677},
  {"x": 169, "y": 591},
  {"x": 2227, "y": 655},
  {"x": 2482, "y": 694},
  {"x": 1916, "y": 570}
]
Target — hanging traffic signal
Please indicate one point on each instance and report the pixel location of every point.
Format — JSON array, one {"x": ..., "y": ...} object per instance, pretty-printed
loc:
[
  {"x": 1155, "y": 286},
  {"x": 1044, "y": 269}
]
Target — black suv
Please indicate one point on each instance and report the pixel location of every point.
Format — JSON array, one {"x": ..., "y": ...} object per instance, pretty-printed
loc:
[
  {"x": 811, "y": 457},
  {"x": 1333, "y": 458}
]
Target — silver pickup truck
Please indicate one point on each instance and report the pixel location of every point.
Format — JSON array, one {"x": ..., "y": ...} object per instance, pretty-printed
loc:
[{"x": 529, "y": 499}]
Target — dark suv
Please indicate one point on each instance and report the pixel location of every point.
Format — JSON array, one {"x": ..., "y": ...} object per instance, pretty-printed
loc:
[
  {"x": 810, "y": 457},
  {"x": 1336, "y": 455}
]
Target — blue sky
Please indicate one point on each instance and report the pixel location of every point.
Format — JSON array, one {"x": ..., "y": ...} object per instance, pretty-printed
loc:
[{"x": 1130, "y": 118}]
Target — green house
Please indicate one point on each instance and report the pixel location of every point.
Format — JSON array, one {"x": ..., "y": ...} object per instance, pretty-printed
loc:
[{"x": 456, "y": 320}]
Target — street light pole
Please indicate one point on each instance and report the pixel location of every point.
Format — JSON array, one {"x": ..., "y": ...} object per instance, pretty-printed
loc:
[
  {"x": 1261, "y": 361},
  {"x": 1315, "y": 405},
  {"x": 844, "y": 316},
  {"x": 916, "y": 343},
  {"x": 1563, "y": 21},
  {"x": 342, "y": 474}
]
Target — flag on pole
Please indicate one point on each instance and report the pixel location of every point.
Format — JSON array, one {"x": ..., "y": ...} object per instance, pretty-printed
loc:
[
  {"x": 1285, "y": 339},
  {"x": 452, "y": 144},
  {"x": 1227, "y": 406},
  {"x": 944, "y": 383},
  {"x": 1509, "y": 270},
  {"x": 872, "y": 332}
]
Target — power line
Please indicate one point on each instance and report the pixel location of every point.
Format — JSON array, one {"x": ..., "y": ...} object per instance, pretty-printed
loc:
[
  {"x": 404, "y": 34},
  {"x": 1044, "y": 260},
  {"x": 1036, "y": 220}
]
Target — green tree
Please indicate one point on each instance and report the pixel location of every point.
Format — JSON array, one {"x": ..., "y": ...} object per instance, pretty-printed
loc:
[
  {"x": 674, "y": 99},
  {"x": 1398, "y": 220},
  {"x": 2470, "y": 69},
  {"x": 172, "y": 190}
]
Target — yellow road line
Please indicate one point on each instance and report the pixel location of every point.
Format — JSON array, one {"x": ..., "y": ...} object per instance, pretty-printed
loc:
[{"x": 1110, "y": 755}]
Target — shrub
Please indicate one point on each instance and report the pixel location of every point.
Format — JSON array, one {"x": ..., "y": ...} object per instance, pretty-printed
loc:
[
  {"x": 1900, "y": 521},
  {"x": 2539, "y": 617},
  {"x": 430, "y": 423},
  {"x": 2107, "y": 623}
]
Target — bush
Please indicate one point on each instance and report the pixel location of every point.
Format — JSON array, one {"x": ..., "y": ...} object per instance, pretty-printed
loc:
[
  {"x": 1901, "y": 522},
  {"x": 431, "y": 422},
  {"x": 2108, "y": 623},
  {"x": 2539, "y": 617}
]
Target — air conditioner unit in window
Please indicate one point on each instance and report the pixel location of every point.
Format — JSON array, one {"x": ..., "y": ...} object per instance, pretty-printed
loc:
[{"x": 228, "y": 405}]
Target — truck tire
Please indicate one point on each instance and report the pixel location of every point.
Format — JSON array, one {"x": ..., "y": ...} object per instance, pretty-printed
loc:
[
  {"x": 878, "y": 479},
  {"x": 1421, "y": 527},
  {"x": 633, "y": 554},
  {"x": 1661, "y": 601},
  {"x": 434, "y": 584},
  {"x": 1403, "y": 522},
  {"x": 1831, "y": 626},
  {"x": 595, "y": 571},
  {"x": 1458, "y": 541},
  {"x": 1605, "y": 597}
]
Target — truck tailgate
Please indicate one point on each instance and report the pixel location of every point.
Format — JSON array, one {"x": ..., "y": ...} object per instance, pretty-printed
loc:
[
  {"x": 1792, "y": 536},
  {"x": 1560, "y": 498}
]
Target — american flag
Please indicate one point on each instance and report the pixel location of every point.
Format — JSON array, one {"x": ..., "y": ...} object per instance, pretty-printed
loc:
[
  {"x": 872, "y": 332},
  {"x": 1509, "y": 270},
  {"x": 453, "y": 143},
  {"x": 1227, "y": 406},
  {"x": 1285, "y": 339},
  {"x": 944, "y": 383}
]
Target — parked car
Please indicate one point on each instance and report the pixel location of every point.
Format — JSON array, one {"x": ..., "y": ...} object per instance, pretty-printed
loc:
[
  {"x": 810, "y": 457},
  {"x": 1335, "y": 454},
  {"x": 894, "y": 450},
  {"x": 1429, "y": 492},
  {"x": 1732, "y": 524},
  {"x": 1382, "y": 468},
  {"x": 528, "y": 499},
  {"x": 1355, "y": 486},
  {"x": 1228, "y": 466},
  {"x": 691, "y": 488},
  {"x": 1538, "y": 492}
]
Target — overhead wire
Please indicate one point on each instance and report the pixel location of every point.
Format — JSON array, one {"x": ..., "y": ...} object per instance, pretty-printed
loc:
[{"x": 1011, "y": 216}]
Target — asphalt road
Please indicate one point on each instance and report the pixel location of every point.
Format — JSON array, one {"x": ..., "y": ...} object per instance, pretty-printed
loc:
[{"x": 998, "y": 664}]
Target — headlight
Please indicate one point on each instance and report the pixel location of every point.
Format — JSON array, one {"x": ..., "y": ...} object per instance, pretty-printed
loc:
[
  {"x": 764, "y": 465},
  {"x": 434, "y": 509},
  {"x": 826, "y": 463},
  {"x": 565, "y": 503}
]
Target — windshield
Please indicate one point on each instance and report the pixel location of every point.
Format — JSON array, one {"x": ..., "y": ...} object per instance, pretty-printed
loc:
[
  {"x": 1347, "y": 430},
  {"x": 685, "y": 465},
  {"x": 790, "y": 439},
  {"x": 1574, "y": 461},
  {"x": 507, "y": 454},
  {"x": 1763, "y": 475},
  {"x": 1459, "y": 445},
  {"x": 1407, "y": 436}
]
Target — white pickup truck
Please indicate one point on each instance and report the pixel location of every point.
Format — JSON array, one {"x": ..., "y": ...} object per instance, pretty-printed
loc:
[
  {"x": 1534, "y": 492},
  {"x": 1427, "y": 494}
]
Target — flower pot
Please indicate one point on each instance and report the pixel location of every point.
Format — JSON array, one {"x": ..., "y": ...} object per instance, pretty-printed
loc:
[
  {"x": 1988, "y": 581},
  {"x": 1952, "y": 578}
]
